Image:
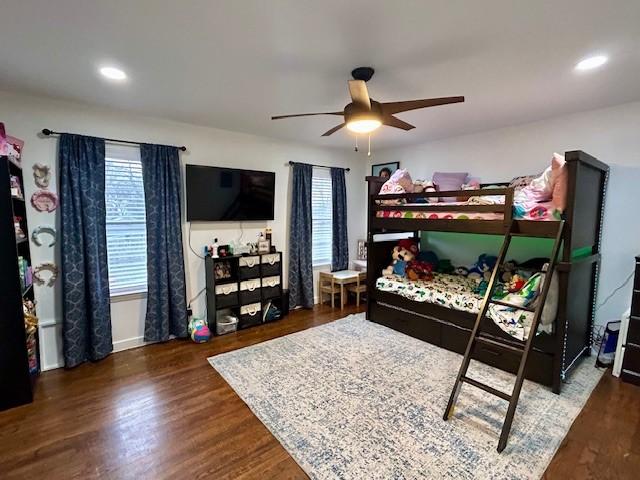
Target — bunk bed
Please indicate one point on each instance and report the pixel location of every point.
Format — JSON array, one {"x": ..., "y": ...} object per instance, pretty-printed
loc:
[{"x": 554, "y": 352}]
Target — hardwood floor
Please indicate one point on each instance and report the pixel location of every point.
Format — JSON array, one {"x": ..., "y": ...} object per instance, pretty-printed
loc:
[{"x": 162, "y": 412}]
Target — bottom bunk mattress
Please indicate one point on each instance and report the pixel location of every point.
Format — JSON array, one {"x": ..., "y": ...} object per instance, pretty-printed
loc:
[{"x": 458, "y": 292}]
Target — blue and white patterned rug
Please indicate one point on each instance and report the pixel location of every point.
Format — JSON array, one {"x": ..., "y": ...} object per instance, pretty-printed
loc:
[{"x": 355, "y": 400}]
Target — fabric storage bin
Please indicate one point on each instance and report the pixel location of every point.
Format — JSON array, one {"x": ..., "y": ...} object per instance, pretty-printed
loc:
[
  {"x": 250, "y": 291},
  {"x": 226, "y": 324},
  {"x": 270, "y": 264},
  {"x": 250, "y": 315},
  {"x": 249, "y": 267},
  {"x": 226, "y": 295},
  {"x": 271, "y": 287}
]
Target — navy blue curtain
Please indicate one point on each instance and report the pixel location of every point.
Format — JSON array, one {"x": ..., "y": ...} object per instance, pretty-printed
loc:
[
  {"x": 300, "y": 258},
  {"x": 166, "y": 292},
  {"x": 86, "y": 316},
  {"x": 340, "y": 253}
]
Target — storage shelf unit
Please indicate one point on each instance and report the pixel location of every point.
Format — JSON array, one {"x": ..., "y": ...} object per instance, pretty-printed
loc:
[
  {"x": 250, "y": 282},
  {"x": 16, "y": 377}
]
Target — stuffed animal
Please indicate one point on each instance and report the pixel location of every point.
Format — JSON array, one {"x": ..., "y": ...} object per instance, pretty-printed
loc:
[
  {"x": 481, "y": 289},
  {"x": 428, "y": 186},
  {"x": 401, "y": 256},
  {"x": 409, "y": 244},
  {"x": 445, "y": 266},
  {"x": 428, "y": 257},
  {"x": 481, "y": 270},
  {"x": 418, "y": 270},
  {"x": 199, "y": 330},
  {"x": 508, "y": 270},
  {"x": 516, "y": 283},
  {"x": 462, "y": 271}
]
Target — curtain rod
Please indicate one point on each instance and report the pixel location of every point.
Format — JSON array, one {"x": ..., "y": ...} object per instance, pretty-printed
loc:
[
  {"x": 322, "y": 166},
  {"x": 47, "y": 132}
]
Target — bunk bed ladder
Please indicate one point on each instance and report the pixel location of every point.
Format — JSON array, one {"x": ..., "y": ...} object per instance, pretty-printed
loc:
[{"x": 476, "y": 337}]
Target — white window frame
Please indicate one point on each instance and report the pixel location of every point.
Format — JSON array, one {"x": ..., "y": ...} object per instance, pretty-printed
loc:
[
  {"x": 126, "y": 232},
  {"x": 322, "y": 218}
]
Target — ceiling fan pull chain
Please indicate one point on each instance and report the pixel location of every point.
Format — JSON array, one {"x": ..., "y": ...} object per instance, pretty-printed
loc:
[
  {"x": 356, "y": 147},
  {"x": 369, "y": 152}
]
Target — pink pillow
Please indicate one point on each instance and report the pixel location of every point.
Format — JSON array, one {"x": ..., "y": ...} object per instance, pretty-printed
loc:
[
  {"x": 449, "y": 181},
  {"x": 390, "y": 188},
  {"x": 560, "y": 180},
  {"x": 402, "y": 178}
]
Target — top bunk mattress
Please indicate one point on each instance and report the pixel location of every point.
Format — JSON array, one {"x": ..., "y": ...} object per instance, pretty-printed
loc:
[{"x": 543, "y": 211}]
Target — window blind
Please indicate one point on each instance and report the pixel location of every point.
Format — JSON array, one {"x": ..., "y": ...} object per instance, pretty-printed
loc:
[
  {"x": 126, "y": 221},
  {"x": 322, "y": 217}
]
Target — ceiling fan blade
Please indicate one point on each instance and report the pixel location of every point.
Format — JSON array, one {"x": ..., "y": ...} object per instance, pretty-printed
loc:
[
  {"x": 333, "y": 130},
  {"x": 359, "y": 93},
  {"x": 278, "y": 117},
  {"x": 390, "y": 108},
  {"x": 392, "y": 121}
]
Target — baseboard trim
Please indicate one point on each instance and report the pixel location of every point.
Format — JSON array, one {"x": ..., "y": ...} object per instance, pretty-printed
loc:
[
  {"x": 128, "y": 343},
  {"x": 48, "y": 323},
  {"x": 52, "y": 366}
]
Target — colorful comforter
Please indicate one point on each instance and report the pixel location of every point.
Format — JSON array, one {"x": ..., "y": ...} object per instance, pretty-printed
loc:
[{"x": 457, "y": 292}]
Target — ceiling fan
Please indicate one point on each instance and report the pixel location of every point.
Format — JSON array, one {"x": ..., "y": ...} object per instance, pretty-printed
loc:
[{"x": 364, "y": 115}]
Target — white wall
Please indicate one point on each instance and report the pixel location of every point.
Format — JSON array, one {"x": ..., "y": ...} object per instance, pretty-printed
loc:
[
  {"x": 611, "y": 135},
  {"x": 25, "y": 116}
]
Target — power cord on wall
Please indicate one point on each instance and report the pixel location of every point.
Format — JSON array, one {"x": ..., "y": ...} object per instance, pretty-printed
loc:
[
  {"x": 615, "y": 290},
  {"x": 190, "y": 247}
]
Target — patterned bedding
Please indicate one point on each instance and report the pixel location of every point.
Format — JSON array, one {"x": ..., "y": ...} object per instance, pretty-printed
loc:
[
  {"x": 457, "y": 292},
  {"x": 541, "y": 211}
]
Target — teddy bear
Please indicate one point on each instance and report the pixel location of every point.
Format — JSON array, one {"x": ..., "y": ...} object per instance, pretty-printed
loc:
[
  {"x": 508, "y": 270},
  {"x": 401, "y": 256}
]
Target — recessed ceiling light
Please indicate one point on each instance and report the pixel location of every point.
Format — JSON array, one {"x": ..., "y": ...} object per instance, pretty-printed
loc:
[
  {"x": 113, "y": 73},
  {"x": 591, "y": 62}
]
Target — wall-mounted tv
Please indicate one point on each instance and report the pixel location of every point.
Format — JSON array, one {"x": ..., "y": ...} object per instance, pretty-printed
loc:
[{"x": 228, "y": 194}]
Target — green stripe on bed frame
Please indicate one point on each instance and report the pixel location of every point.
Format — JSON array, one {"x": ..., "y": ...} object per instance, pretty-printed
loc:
[{"x": 581, "y": 252}]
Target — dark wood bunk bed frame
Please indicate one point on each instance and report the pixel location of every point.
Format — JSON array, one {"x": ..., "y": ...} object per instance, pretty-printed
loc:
[{"x": 553, "y": 355}]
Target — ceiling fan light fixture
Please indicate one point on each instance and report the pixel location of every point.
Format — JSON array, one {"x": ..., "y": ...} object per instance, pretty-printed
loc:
[{"x": 364, "y": 125}]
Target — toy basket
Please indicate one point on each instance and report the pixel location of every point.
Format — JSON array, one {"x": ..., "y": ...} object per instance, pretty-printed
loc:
[{"x": 226, "y": 324}]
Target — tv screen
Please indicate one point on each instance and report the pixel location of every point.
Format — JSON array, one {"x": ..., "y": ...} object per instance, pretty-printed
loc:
[{"x": 228, "y": 194}]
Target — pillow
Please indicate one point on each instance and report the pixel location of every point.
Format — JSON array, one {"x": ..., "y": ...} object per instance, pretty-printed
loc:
[
  {"x": 560, "y": 180},
  {"x": 390, "y": 188},
  {"x": 449, "y": 181},
  {"x": 402, "y": 178},
  {"x": 521, "y": 182},
  {"x": 540, "y": 189}
]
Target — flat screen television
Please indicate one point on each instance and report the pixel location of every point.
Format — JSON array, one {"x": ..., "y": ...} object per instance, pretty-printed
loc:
[{"x": 229, "y": 194}]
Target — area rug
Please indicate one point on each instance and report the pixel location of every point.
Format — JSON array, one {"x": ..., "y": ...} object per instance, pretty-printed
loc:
[{"x": 355, "y": 400}]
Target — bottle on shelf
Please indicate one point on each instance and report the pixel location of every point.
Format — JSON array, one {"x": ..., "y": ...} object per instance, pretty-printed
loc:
[{"x": 214, "y": 248}]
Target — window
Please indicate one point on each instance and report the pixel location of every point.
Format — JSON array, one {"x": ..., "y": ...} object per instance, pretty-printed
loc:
[
  {"x": 321, "y": 214},
  {"x": 126, "y": 221}
]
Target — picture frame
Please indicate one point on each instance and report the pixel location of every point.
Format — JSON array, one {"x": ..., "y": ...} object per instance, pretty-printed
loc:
[
  {"x": 384, "y": 169},
  {"x": 264, "y": 246},
  {"x": 362, "y": 250}
]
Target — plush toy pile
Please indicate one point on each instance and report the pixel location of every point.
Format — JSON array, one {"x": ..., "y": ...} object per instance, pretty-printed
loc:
[{"x": 513, "y": 279}]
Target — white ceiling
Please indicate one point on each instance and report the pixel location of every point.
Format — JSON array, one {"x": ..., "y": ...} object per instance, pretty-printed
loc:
[{"x": 232, "y": 64}]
